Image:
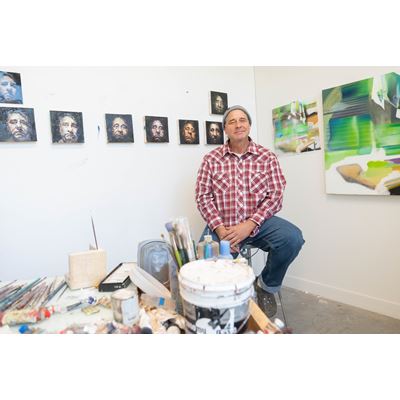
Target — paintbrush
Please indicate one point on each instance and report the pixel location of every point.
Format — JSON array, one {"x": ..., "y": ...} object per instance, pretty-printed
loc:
[
  {"x": 59, "y": 297},
  {"x": 171, "y": 251},
  {"x": 11, "y": 299},
  {"x": 54, "y": 292},
  {"x": 26, "y": 299},
  {"x": 182, "y": 242},
  {"x": 46, "y": 294},
  {"x": 20, "y": 296},
  {"x": 39, "y": 295},
  {"x": 9, "y": 291},
  {"x": 183, "y": 231},
  {"x": 6, "y": 286},
  {"x": 174, "y": 245}
]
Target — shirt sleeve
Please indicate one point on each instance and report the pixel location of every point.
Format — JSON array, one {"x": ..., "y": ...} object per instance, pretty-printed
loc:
[
  {"x": 205, "y": 197},
  {"x": 272, "y": 203}
]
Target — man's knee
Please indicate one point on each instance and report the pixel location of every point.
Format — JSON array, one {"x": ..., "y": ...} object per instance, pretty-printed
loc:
[{"x": 295, "y": 238}]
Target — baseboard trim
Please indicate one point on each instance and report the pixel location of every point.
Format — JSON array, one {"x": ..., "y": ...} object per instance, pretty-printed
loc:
[{"x": 360, "y": 300}]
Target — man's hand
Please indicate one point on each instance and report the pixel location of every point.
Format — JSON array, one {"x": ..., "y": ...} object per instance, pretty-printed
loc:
[
  {"x": 221, "y": 232},
  {"x": 236, "y": 234}
]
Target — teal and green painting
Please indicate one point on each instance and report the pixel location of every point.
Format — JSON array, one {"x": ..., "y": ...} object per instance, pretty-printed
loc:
[
  {"x": 362, "y": 136},
  {"x": 296, "y": 128}
]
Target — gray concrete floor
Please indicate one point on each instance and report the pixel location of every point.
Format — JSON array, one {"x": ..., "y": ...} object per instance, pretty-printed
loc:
[{"x": 307, "y": 313}]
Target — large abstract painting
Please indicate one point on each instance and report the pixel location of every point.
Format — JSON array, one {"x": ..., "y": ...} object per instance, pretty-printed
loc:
[
  {"x": 296, "y": 128},
  {"x": 362, "y": 136}
]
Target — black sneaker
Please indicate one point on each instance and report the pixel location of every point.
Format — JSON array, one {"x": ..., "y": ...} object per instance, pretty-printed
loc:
[{"x": 266, "y": 301}]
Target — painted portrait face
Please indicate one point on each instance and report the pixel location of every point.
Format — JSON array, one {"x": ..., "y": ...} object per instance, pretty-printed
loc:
[
  {"x": 219, "y": 104},
  {"x": 18, "y": 126},
  {"x": 157, "y": 130},
  {"x": 8, "y": 88},
  {"x": 189, "y": 133},
  {"x": 119, "y": 128},
  {"x": 214, "y": 132},
  {"x": 68, "y": 129}
]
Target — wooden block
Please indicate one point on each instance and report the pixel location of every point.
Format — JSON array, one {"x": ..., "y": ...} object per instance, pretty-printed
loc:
[
  {"x": 258, "y": 320},
  {"x": 87, "y": 268}
]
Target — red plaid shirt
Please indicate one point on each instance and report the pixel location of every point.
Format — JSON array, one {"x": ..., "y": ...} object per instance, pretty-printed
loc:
[{"x": 230, "y": 190}]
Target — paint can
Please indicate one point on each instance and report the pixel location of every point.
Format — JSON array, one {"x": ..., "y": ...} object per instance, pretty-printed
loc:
[
  {"x": 215, "y": 295},
  {"x": 125, "y": 305}
]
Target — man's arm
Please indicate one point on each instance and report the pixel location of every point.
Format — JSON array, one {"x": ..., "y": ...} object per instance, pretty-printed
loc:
[
  {"x": 272, "y": 202},
  {"x": 205, "y": 198}
]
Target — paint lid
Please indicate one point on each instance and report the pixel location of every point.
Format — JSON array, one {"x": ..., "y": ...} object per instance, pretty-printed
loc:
[
  {"x": 147, "y": 283},
  {"x": 217, "y": 275}
]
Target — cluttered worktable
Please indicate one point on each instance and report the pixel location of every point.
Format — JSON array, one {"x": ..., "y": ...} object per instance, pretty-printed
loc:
[
  {"x": 89, "y": 311},
  {"x": 171, "y": 289},
  {"x": 48, "y": 305}
]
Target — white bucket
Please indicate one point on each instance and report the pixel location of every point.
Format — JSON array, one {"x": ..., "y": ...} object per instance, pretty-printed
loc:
[{"x": 216, "y": 295}]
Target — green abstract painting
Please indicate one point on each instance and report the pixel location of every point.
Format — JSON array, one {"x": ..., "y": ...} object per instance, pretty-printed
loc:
[
  {"x": 362, "y": 136},
  {"x": 296, "y": 128}
]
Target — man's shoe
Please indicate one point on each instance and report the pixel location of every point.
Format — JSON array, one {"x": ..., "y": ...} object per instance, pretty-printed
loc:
[{"x": 266, "y": 301}]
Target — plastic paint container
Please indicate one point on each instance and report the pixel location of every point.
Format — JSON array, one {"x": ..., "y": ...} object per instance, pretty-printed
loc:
[
  {"x": 125, "y": 305},
  {"x": 215, "y": 295}
]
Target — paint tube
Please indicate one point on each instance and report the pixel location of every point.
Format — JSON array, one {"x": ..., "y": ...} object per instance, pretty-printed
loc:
[{"x": 27, "y": 316}]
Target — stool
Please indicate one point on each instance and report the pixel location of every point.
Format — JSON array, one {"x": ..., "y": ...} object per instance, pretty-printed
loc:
[{"x": 245, "y": 252}]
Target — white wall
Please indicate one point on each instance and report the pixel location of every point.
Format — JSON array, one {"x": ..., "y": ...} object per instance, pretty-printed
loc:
[
  {"x": 351, "y": 251},
  {"x": 49, "y": 191}
]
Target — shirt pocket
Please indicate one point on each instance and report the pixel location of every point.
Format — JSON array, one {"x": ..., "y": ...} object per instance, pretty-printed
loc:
[
  {"x": 259, "y": 184},
  {"x": 221, "y": 182}
]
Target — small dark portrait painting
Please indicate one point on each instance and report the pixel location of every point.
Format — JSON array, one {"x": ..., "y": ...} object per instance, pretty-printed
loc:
[
  {"x": 10, "y": 87},
  {"x": 214, "y": 133},
  {"x": 156, "y": 129},
  {"x": 66, "y": 127},
  {"x": 219, "y": 103},
  {"x": 119, "y": 128},
  {"x": 189, "y": 131},
  {"x": 17, "y": 125}
]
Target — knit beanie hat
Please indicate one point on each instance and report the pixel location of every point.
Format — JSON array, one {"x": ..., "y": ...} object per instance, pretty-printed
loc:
[{"x": 233, "y": 108}]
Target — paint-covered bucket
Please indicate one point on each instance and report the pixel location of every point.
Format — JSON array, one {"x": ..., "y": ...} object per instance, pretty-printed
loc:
[{"x": 216, "y": 295}]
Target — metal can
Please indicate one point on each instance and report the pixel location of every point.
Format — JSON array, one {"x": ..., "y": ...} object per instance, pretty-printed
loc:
[{"x": 125, "y": 305}]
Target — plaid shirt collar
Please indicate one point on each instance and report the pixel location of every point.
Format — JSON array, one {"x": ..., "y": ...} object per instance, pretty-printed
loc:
[{"x": 252, "y": 148}]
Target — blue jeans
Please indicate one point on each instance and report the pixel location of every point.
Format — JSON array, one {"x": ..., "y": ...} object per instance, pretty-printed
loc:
[{"x": 282, "y": 240}]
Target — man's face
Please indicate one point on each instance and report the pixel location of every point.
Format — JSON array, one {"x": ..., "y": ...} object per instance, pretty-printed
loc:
[
  {"x": 189, "y": 133},
  {"x": 68, "y": 129},
  {"x": 214, "y": 132},
  {"x": 8, "y": 88},
  {"x": 18, "y": 126},
  {"x": 157, "y": 130},
  {"x": 219, "y": 104},
  {"x": 119, "y": 128},
  {"x": 237, "y": 125}
]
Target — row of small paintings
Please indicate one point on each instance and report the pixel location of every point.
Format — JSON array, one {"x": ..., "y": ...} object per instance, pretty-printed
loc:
[
  {"x": 11, "y": 92},
  {"x": 18, "y": 125}
]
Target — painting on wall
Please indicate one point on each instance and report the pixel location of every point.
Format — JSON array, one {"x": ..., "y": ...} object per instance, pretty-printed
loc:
[
  {"x": 188, "y": 131},
  {"x": 17, "y": 125},
  {"x": 10, "y": 87},
  {"x": 219, "y": 102},
  {"x": 156, "y": 129},
  {"x": 362, "y": 136},
  {"x": 296, "y": 128},
  {"x": 214, "y": 133},
  {"x": 67, "y": 127},
  {"x": 119, "y": 128}
]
